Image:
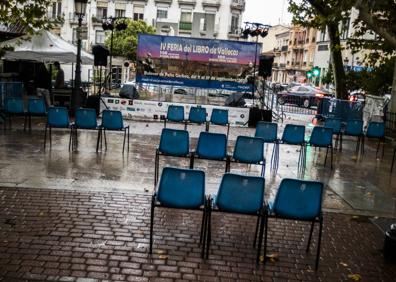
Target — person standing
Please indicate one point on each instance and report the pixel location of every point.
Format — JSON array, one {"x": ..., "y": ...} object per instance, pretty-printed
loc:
[
  {"x": 43, "y": 83},
  {"x": 60, "y": 77}
]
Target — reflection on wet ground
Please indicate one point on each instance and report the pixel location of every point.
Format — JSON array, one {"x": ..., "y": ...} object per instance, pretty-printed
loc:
[{"x": 357, "y": 184}]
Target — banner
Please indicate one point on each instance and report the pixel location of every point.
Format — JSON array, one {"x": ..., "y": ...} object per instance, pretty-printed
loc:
[{"x": 193, "y": 62}]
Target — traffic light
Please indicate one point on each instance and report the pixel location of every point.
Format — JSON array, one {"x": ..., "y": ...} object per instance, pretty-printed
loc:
[
  {"x": 316, "y": 71},
  {"x": 309, "y": 74}
]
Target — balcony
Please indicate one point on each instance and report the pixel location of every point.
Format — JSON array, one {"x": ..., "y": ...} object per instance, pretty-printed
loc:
[
  {"x": 283, "y": 65},
  {"x": 238, "y": 5},
  {"x": 73, "y": 19},
  {"x": 211, "y": 3},
  {"x": 188, "y": 2},
  {"x": 185, "y": 26},
  {"x": 164, "y": 1},
  {"x": 284, "y": 48}
]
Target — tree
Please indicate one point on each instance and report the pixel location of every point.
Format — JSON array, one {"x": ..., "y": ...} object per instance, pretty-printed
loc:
[
  {"x": 322, "y": 14},
  {"x": 125, "y": 42},
  {"x": 27, "y": 14}
]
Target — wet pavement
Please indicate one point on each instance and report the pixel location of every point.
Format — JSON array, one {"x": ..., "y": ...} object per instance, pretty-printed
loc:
[{"x": 83, "y": 216}]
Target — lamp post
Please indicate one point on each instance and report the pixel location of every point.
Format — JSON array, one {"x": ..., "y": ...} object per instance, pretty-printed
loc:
[
  {"x": 255, "y": 30},
  {"x": 79, "y": 9}
]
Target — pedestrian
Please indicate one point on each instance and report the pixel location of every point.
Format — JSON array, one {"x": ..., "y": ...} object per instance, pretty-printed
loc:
[
  {"x": 60, "y": 77},
  {"x": 42, "y": 82}
]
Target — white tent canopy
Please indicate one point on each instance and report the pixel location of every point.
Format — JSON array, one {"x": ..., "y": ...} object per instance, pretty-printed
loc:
[{"x": 44, "y": 47}]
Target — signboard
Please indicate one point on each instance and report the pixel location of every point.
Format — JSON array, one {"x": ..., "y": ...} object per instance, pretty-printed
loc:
[
  {"x": 193, "y": 62},
  {"x": 157, "y": 110}
]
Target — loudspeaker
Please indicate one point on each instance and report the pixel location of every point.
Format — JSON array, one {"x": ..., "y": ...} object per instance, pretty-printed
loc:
[
  {"x": 265, "y": 66},
  {"x": 256, "y": 115},
  {"x": 100, "y": 55}
]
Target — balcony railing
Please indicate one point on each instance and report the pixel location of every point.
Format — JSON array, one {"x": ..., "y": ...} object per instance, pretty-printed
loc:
[
  {"x": 74, "y": 19},
  {"x": 284, "y": 48},
  {"x": 282, "y": 65},
  {"x": 238, "y": 5},
  {"x": 185, "y": 25},
  {"x": 211, "y": 3}
]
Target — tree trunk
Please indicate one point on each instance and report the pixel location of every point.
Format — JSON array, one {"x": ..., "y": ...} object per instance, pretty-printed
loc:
[
  {"x": 393, "y": 95},
  {"x": 337, "y": 63}
]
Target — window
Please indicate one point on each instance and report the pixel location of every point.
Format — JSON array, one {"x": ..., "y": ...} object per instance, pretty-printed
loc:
[
  {"x": 119, "y": 13},
  {"x": 56, "y": 10},
  {"x": 101, "y": 13},
  {"x": 138, "y": 13},
  {"x": 53, "y": 10},
  {"x": 323, "y": 47},
  {"x": 162, "y": 13},
  {"x": 185, "y": 16},
  {"x": 323, "y": 35},
  {"x": 99, "y": 37},
  {"x": 234, "y": 23},
  {"x": 345, "y": 29},
  {"x": 59, "y": 9}
]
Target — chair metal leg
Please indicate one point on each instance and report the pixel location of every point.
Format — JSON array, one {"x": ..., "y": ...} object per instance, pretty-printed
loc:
[
  {"x": 228, "y": 130},
  {"x": 192, "y": 158},
  {"x": 362, "y": 138},
  {"x": 151, "y": 224},
  {"x": 341, "y": 139},
  {"x": 256, "y": 231},
  {"x": 209, "y": 228},
  {"x": 123, "y": 143},
  {"x": 156, "y": 167},
  {"x": 393, "y": 158},
  {"x": 185, "y": 125},
  {"x": 228, "y": 164},
  {"x": 30, "y": 123},
  {"x": 260, "y": 241},
  {"x": 265, "y": 235},
  {"x": 319, "y": 241},
  {"x": 310, "y": 236},
  {"x": 263, "y": 169},
  {"x": 327, "y": 151},
  {"x": 331, "y": 157},
  {"x": 70, "y": 138},
  {"x": 378, "y": 147},
  {"x": 98, "y": 140},
  {"x": 45, "y": 135},
  {"x": 165, "y": 123},
  {"x": 105, "y": 138},
  {"x": 357, "y": 145},
  {"x": 50, "y": 136},
  {"x": 207, "y": 126},
  {"x": 203, "y": 225},
  {"x": 24, "y": 123},
  {"x": 128, "y": 140}
]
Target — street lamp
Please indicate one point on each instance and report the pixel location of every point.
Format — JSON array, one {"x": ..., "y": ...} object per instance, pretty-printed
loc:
[
  {"x": 79, "y": 8},
  {"x": 255, "y": 30}
]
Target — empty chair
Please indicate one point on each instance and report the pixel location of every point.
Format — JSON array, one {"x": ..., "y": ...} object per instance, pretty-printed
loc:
[
  {"x": 197, "y": 115},
  {"x": 219, "y": 117},
  {"x": 322, "y": 137},
  {"x": 36, "y": 108},
  {"x": 355, "y": 128},
  {"x": 268, "y": 131},
  {"x": 180, "y": 189},
  {"x": 14, "y": 106},
  {"x": 173, "y": 142},
  {"x": 295, "y": 135},
  {"x": 376, "y": 130},
  {"x": 299, "y": 200},
  {"x": 249, "y": 150},
  {"x": 57, "y": 117},
  {"x": 112, "y": 121},
  {"x": 175, "y": 114},
  {"x": 211, "y": 146},
  {"x": 84, "y": 119},
  {"x": 336, "y": 125},
  {"x": 240, "y": 194}
]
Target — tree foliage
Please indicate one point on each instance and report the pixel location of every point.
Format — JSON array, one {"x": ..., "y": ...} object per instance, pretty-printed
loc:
[{"x": 125, "y": 42}]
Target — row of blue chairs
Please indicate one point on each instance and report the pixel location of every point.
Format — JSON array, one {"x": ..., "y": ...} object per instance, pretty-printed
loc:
[
  {"x": 197, "y": 115},
  {"x": 210, "y": 146},
  {"x": 58, "y": 117},
  {"x": 297, "y": 200}
]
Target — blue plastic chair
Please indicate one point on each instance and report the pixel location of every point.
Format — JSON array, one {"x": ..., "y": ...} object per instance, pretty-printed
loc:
[
  {"x": 211, "y": 146},
  {"x": 322, "y": 137},
  {"x": 197, "y": 115},
  {"x": 181, "y": 189},
  {"x": 295, "y": 135},
  {"x": 268, "y": 131},
  {"x": 57, "y": 117},
  {"x": 249, "y": 150},
  {"x": 14, "y": 106},
  {"x": 84, "y": 119},
  {"x": 376, "y": 130},
  {"x": 336, "y": 125},
  {"x": 219, "y": 117},
  {"x": 241, "y": 194},
  {"x": 299, "y": 200},
  {"x": 173, "y": 142},
  {"x": 354, "y": 128},
  {"x": 175, "y": 114},
  {"x": 36, "y": 108},
  {"x": 112, "y": 121}
]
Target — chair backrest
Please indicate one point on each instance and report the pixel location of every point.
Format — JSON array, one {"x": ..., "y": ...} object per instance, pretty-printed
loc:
[
  {"x": 219, "y": 117},
  {"x": 333, "y": 123},
  {"x": 36, "y": 106},
  {"x": 293, "y": 134},
  {"x": 298, "y": 199},
  {"x": 375, "y": 129},
  {"x": 58, "y": 117},
  {"x": 197, "y": 115},
  {"x": 354, "y": 127},
  {"x": 174, "y": 142},
  {"x": 14, "y": 105},
  {"x": 112, "y": 120},
  {"x": 268, "y": 131},
  {"x": 249, "y": 149},
  {"x": 321, "y": 136},
  {"x": 86, "y": 118},
  {"x": 175, "y": 113},
  {"x": 181, "y": 188},
  {"x": 240, "y": 193},
  {"x": 212, "y": 146}
]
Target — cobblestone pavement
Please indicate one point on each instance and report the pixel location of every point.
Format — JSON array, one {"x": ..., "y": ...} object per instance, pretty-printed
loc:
[{"x": 59, "y": 235}]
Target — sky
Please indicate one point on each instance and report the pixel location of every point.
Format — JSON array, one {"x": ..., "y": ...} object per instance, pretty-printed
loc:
[{"x": 269, "y": 12}]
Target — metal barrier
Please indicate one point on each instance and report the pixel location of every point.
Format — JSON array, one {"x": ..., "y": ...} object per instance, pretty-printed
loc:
[
  {"x": 343, "y": 109},
  {"x": 390, "y": 124}
]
